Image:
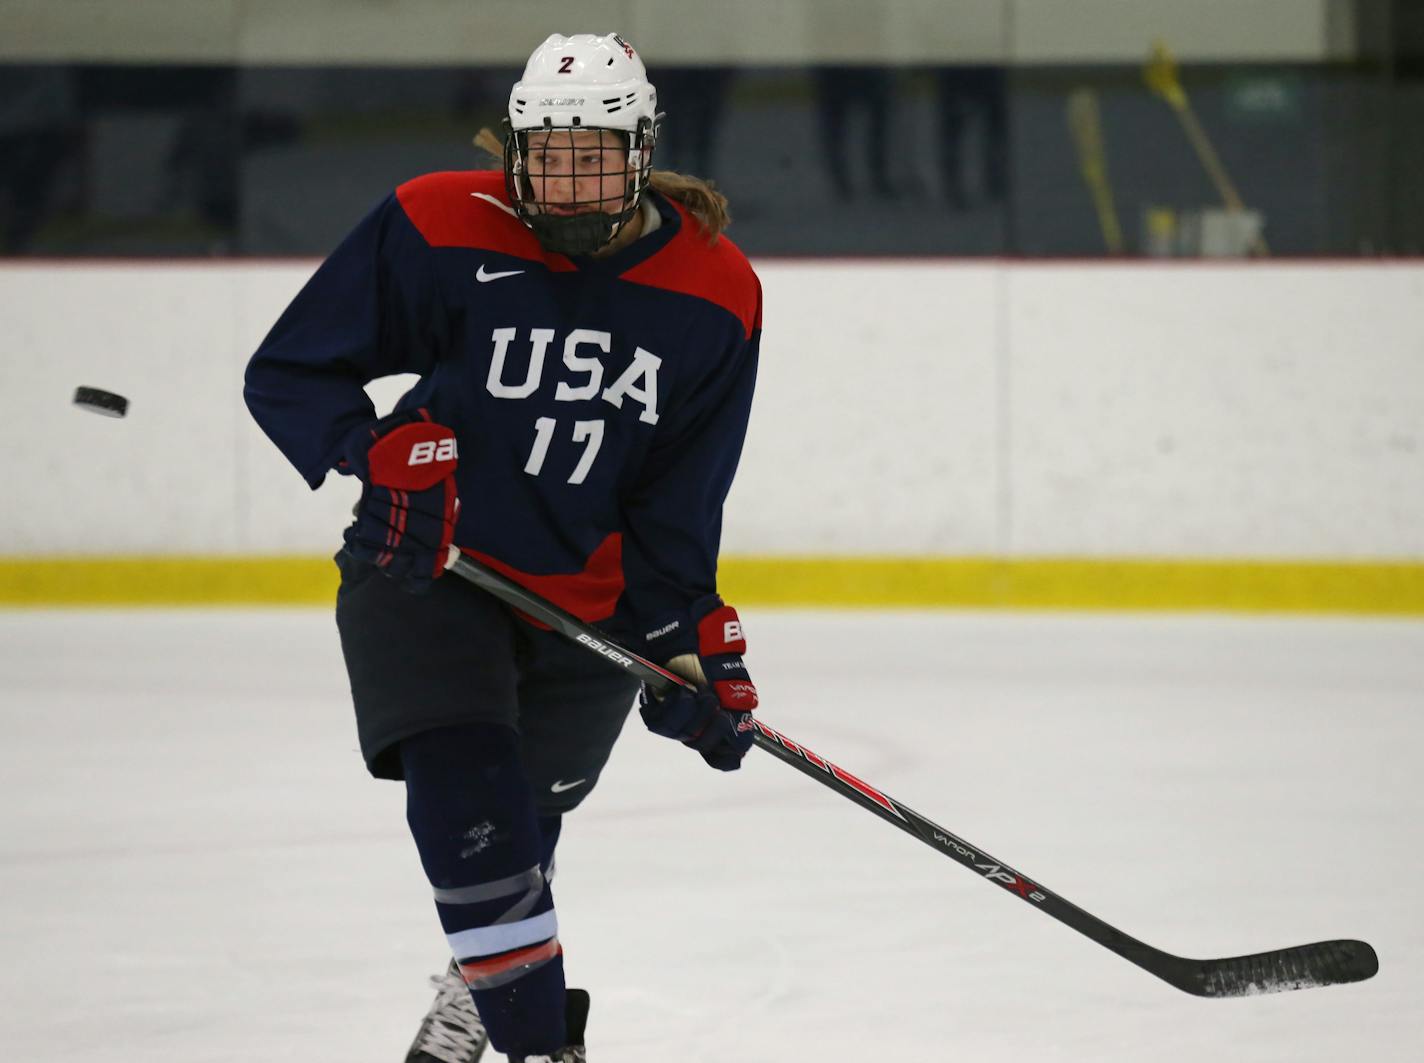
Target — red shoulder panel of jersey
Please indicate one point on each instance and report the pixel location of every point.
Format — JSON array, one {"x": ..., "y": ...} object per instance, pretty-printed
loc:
[
  {"x": 718, "y": 272},
  {"x": 468, "y": 208},
  {"x": 591, "y": 595}
]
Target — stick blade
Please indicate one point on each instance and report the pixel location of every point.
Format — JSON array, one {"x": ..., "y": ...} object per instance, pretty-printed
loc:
[{"x": 1302, "y": 967}]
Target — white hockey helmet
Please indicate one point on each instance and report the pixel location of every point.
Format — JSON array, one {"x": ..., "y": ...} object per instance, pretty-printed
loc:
[{"x": 583, "y": 82}]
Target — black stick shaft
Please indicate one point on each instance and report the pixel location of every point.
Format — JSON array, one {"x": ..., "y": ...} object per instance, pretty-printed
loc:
[{"x": 1300, "y": 967}]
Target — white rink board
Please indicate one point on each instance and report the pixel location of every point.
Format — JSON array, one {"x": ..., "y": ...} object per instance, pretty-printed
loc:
[
  {"x": 1210, "y": 411},
  {"x": 873, "y": 427},
  {"x": 934, "y": 407}
]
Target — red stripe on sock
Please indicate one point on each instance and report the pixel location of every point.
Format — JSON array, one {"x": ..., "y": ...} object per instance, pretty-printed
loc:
[{"x": 473, "y": 970}]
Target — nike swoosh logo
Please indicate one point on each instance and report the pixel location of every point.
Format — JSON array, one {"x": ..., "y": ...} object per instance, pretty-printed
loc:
[
  {"x": 560, "y": 786},
  {"x": 484, "y": 278}
]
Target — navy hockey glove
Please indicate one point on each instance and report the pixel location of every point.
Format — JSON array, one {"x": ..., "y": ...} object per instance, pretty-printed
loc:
[
  {"x": 716, "y": 719},
  {"x": 406, "y": 516}
]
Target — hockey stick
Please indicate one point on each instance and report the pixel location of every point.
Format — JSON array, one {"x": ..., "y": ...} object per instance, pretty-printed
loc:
[
  {"x": 1160, "y": 73},
  {"x": 1301, "y": 967},
  {"x": 1085, "y": 124}
]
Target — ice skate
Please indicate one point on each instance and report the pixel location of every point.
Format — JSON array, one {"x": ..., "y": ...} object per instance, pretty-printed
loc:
[
  {"x": 451, "y": 1031},
  {"x": 575, "y": 1020}
]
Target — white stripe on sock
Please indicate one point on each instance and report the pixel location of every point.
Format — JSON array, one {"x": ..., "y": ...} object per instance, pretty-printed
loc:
[{"x": 487, "y": 940}]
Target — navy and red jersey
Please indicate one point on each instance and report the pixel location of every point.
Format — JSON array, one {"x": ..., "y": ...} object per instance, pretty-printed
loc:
[{"x": 599, "y": 404}]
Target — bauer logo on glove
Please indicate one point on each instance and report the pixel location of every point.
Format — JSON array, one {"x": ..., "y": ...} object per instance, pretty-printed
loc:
[
  {"x": 715, "y": 719},
  {"x": 428, "y": 450},
  {"x": 408, "y": 509}
]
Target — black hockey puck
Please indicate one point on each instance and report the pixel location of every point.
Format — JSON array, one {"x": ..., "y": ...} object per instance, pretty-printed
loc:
[{"x": 97, "y": 400}]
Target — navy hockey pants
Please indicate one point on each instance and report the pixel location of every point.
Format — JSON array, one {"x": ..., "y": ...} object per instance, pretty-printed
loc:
[{"x": 457, "y": 656}]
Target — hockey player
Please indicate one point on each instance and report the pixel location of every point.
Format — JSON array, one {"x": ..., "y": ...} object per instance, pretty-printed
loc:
[{"x": 586, "y": 347}]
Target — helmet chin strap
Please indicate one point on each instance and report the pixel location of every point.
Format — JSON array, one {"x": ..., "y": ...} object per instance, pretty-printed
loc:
[{"x": 574, "y": 234}]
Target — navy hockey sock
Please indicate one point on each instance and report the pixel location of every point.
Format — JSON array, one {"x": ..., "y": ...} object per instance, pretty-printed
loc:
[
  {"x": 549, "y": 827},
  {"x": 485, "y": 852}
]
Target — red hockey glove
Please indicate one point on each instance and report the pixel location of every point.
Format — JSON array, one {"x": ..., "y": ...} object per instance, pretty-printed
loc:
[
  {"x": 406, "y": 517},
  {"x": 716, "y": 719}
]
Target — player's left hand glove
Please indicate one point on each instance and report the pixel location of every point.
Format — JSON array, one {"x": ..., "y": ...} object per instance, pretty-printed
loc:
[
  {"x": 406, "y": 517},
  {"x": 716, "y": 718}
]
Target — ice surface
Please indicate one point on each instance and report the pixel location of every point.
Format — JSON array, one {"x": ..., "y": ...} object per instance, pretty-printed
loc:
[{"x": 194, "y": 866}]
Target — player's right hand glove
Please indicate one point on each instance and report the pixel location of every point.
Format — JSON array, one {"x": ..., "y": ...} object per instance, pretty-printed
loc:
[
  {"x": 406, "y": 517},
  {"x": 716, "y": 718}
]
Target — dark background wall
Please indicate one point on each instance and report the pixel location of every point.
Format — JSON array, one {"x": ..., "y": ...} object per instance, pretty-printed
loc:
[{"x": 895, "y": 159}]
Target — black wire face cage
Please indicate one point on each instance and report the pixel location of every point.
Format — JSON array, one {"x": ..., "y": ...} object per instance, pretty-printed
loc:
[{"x": 566, "y": 155}]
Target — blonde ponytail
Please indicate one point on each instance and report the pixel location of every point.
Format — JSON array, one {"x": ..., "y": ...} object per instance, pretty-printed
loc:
[
  {"x": 700, "y": 197},
  {"x": 485, "y": 140}
]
